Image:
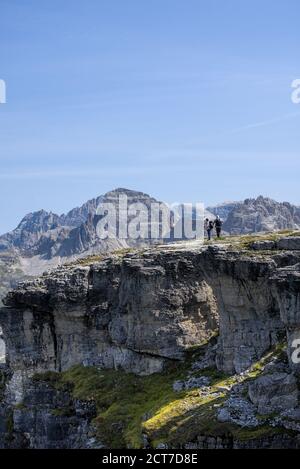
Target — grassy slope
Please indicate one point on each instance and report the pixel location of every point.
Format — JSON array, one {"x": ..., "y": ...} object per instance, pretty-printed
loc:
[
  {"x": 244, "y": 241},
  {"x": 129, "y": 406}
]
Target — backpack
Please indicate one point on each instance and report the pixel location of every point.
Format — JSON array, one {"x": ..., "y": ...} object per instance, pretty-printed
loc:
[{"x": 211, "y": 225}]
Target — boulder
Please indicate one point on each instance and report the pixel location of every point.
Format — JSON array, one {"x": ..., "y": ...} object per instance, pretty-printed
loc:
[
  {"x": 239, "y": 411},
  {"x": 191, "y": 383},
  {"x": 274, "y": 392}
]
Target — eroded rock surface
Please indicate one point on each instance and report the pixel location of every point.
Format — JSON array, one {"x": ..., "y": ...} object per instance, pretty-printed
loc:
[
  {"x": 135, "y": 313},
  {"x": 142, "y": 310},
  {"x": 274, "y": 392}
]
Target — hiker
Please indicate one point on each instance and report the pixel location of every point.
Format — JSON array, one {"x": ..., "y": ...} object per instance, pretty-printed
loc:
[
  {"x": 218, "y": 225},
  {"x": 208, "y": 226}
]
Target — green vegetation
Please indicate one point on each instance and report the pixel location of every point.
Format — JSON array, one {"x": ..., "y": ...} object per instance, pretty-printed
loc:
[
  {"x": 245, "y": 241},
  {"x": 130, "y": 406},
  {"x": 86, "y": 261},
  {"x": 64, "y": 412},
  {"x": 93, "y": 259},
  {"x": 123, "y": 400},
  {"x": 9, "y": 425},
  {"x": 122, "y": 252},
  {"x": 20, "y": 406},
  {"x": 236, "y": 242},
  {"x": 277, "y": 352}
]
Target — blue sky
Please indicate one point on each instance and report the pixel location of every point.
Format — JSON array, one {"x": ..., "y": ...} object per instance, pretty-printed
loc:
[{"x": 188, "y": 100}]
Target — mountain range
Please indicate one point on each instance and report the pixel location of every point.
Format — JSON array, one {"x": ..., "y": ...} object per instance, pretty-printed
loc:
[
  {"x": 257, "y": 215},
  {"x": 49, "y": 235},
  {"x": 43, "y": 240}
]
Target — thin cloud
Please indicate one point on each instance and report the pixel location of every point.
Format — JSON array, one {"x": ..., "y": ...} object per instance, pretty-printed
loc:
[{"x": 264, "y": 123}]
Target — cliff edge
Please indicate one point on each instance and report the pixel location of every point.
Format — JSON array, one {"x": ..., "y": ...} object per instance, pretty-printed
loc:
[{"x": 205, "y": 332}]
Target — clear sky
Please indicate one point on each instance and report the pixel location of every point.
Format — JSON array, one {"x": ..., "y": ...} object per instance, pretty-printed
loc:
[{"x": 189, "y": 100}]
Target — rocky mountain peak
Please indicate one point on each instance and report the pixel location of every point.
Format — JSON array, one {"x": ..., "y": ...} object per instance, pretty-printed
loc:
[
  {"x": 262, "y": 214},
  {"x": 49, "y": 235},
  {"x": 40, "y": 220}
]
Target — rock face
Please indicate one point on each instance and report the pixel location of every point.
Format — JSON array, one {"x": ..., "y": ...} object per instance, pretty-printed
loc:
[
  {"x": 249, "y": 316},
  {"x": 240, "y": 411},
  {"x": 137, "y": 310},
  {"x": 45, "y": 429},
  {"x": 141, "y": 310},
  {"x": 262, "y": 214},
  {"x": 132, "y": 313},
  {"x": 286, "y": 287},
  {"x": 47, "y": 418},
  {"x": 274, "y": 392}
]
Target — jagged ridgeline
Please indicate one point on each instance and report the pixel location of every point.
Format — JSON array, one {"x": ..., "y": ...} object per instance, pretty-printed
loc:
[
  {"x": 47, "y": 238},
  {"x": 179, "y": 346}
]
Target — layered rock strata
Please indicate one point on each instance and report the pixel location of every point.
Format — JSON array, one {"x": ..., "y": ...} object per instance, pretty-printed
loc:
[{"x": 142, "y": 310}]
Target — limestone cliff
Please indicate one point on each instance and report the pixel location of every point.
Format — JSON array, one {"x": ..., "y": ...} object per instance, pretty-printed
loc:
[{"x": 142, "y": 312}]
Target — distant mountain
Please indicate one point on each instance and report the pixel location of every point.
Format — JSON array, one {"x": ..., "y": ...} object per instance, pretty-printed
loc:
[
  {"x": 84, "y": 237},
  {"x": 30, "y": 230},
  {"x": 50, "y": 235},
  {"x": 223, "y": 210},
  {"x": 44, "y": 239},
  {"x": 261, "y": 214}
]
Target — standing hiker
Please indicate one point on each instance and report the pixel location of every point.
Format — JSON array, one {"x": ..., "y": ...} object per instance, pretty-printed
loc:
[
  {"x": 218, "y": 225},
  {"x": 208, "y": 226}
]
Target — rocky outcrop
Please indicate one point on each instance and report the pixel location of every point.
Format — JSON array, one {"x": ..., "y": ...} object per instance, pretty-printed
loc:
[
  {"x": 274, "y": 392},
  {"x": 286, "y": 288},
  {"x": 135, "y": 313},
  {"x": 249, "y": 315},
  {"x": 138, "y": 310},
  {"x": 47, "y": 417},
  {"x": 141, "y": 310},
  {"x": 158, "y": 303}
]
